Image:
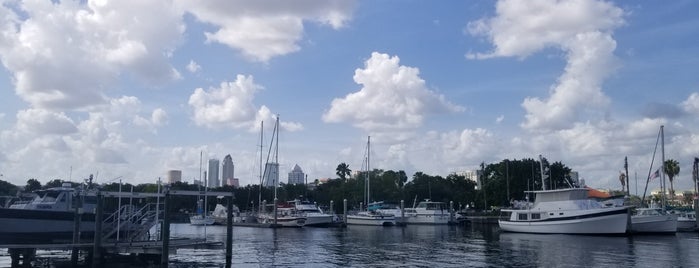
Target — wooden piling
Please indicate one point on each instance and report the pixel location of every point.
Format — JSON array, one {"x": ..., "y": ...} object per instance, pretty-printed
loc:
[
  {"x": 165, "y": 257},
  {"x": 344, "y": 211},
  {"x": 402, "y": 211},
  {"x": 76, "y": 231},
  {"x": 229, "y": 231},
  {"x": 97, "y": 237}
]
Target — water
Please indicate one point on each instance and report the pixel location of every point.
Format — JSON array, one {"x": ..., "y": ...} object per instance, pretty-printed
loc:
[{"x": 426, "y": 246}]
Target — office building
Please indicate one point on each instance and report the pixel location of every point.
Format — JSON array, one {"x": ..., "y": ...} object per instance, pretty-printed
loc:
[
  {"x": 227, "y": 170},
  {"x": 296, "y": 176},
  {"x": 212, "y": 179}
]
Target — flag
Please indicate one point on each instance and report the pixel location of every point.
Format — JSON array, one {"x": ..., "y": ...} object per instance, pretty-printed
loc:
[{"x": 655, "y": 174}]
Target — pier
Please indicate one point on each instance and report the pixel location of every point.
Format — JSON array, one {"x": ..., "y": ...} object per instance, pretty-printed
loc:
[{"x": 126, "y": 231}]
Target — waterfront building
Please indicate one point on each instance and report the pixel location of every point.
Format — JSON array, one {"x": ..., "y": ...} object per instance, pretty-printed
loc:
[
  {"x": 174, "y": 176},
  {"x": 235, "y": 182},
  {"x": 296, "y": 176},
  {"x": 227, "y": 170},
  {"x": 197, "y": 182},
  {"x": 213, "y": 180},
  {"x": 271, "y": 177}
]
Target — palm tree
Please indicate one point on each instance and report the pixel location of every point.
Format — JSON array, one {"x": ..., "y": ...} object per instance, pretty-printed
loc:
[
  {"x": 671, "y": 167},
  {"x": 343, "y": 171}
]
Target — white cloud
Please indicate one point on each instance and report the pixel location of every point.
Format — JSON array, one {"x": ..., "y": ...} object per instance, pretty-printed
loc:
[
  {"x": 691, "y": 105},
  {"x": 193, "y": 67},
  {"x": 231, "y": 105},
  {"x": 581, "y": 28},
  {"x": 499, "y": 119},
  {"x": 44, "y": 122},
  {"x": 393, "y": 97},
  {"x": 65, "y": 55},
  {"x": 264, "y": 29}
]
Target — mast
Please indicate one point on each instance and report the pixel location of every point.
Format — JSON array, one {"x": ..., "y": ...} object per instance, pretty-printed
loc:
[
  {"x": 662, "y": 164},
  {"x": 541, "y": 166},
  {"x": 368, "y": 170},
  {"x": 259, "y": 195},
  {"x": 276, "y": 159}
]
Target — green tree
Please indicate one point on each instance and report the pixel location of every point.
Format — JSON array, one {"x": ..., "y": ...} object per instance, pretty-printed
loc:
[
  {"x": 7, "y": 188},
  {"x": 53, "y": 183},
  {"x": 343, "y": 170},
  {"x": 671, "y": 168},
  {"x": 32, "y": 185}
]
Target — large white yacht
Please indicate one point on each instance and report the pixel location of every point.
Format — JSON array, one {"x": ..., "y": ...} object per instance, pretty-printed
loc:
[
  {"x": 315, "y": 217},
  {"x": 286, "y": 217},
  {"x": 371, "y": 217},
  {"x": 565, "y": 211},
  {"x": 426, "y": 212}
]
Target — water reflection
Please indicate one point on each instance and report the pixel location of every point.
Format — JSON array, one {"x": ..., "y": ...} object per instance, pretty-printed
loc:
[{"x": 429, "y": 246}]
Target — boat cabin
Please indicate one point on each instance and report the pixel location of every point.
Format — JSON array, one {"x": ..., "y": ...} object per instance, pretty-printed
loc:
[{"x": 58, "y": 199}]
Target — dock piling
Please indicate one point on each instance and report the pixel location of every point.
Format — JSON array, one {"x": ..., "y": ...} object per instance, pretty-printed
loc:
[
  {"x": 402, "y": 211},
  {"x": 97, "y": 237},
  {"x": 344, "y": 211},
  {"x": 76, "y": 231},
  {"x": 229, "y": 231},
  {"x": 165, "y": 257}
]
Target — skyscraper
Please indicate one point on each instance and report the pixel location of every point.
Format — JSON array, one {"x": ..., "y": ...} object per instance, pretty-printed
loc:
[
  {"x": 227, "y": 169},
  {"x": 213, "y": 173},
  {"x": 296, "y": 175},
  {"x": 271, "y": 177}
]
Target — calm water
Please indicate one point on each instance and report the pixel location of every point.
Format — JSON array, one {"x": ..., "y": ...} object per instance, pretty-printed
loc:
[{"x": 426, "y": 246}]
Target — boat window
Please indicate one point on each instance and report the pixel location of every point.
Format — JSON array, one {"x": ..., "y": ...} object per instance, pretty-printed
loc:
[
  {"x": 522, "y": 216},
  {"x": 50, "y": 196},
  {"x": 536, "y": 216}
]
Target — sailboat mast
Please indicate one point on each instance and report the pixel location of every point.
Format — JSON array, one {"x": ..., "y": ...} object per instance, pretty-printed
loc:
[
  {"x": 259, "y": 195},
  {"x": 368, "y": 170},
  {"x": 276, "y": 160},
  {"x": 662, "y": 164}
]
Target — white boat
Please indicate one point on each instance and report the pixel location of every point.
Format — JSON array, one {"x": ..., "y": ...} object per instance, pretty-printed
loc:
[
  {"x": 370, "y": 217},
  {"x": 315, "y": 217},
  {"x": 286, "y": 217},
  {"x": 653, "y": 220},
  {"x": 201, "y": 218},
  {"x": 565, "y": 211},
  {"x": 426, "y": 212},
  {"x": 687, "y": 221},
  {"x": 47, "y": 217},
  {"x": 220, "y": 214}
]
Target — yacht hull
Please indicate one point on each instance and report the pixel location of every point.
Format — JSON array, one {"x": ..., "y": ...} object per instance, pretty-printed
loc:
[
  {"x": 375, "y": 220},
  {"x": 588, "y": 223},
  {"x": 319, "y": 220},
  {"x": 654, "y": 224},
  {"x": 426, "y": 219},
  {"x": 22, "y": 226}
]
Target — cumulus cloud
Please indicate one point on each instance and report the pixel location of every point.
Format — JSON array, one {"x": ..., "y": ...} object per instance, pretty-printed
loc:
[
  {"x": 581, "y": 28},
  {"x": 231, "y": 105},
  {"x": 691, "y": 105},
  {"x": 264, "y": 29},
  {"x": 193, "y": 67},
  {"x": 392, "y": 97},
  {"x": 44, "y": 122},
  {"x": 65, "y": 55}
]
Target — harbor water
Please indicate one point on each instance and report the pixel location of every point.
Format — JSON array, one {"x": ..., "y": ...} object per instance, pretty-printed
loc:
[{"x": 423, "y": 246}]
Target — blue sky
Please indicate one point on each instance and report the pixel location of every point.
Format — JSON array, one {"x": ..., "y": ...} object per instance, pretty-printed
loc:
[{"x": 105, "y": 87}]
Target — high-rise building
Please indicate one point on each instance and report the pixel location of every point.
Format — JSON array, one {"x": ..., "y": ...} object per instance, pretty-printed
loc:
[
  {"x": 271, "y": 177},
  {"x": 235, "y": 182},
  {"x": 296, "y": 176},
  {"x": 213, "y": 180},
  {"x": 227, "y": 169},
  {"x": 174, "y": 176}
]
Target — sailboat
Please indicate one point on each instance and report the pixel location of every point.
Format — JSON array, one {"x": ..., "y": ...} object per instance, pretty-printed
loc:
[
  {"x": 201, "y": 217},
  {"x": 370, "y": 217},
  {"x": 655, "y": 220},
  {"x": 279, "y": 215}
]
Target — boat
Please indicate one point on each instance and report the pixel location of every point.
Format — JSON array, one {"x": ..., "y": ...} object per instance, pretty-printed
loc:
[
  {"x": 46, "y": 218},
  {"x": 565, "y": 211},
  {"x": 315, "y": 217},
  {"x": 655, "y": 220},
  {"x": 286, "y": 216},
  {"x": 428, "y": 212},
  {"x": 50, "y": 217},
  {"x": 687, "y": 221},
  {"x": 220, "y": 214},
  {"x": 370, "y": 217},
  {"x": 201, "y": 218}
]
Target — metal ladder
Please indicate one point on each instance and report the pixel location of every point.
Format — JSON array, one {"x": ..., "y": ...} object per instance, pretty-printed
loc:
[{"x": 134, "y": 225}]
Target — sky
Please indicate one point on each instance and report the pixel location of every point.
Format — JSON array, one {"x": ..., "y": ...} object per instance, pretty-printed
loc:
[{"x": 127, "y": 90}]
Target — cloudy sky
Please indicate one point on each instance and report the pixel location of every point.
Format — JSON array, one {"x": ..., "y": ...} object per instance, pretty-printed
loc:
[{"x": 130, "y": 89}]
